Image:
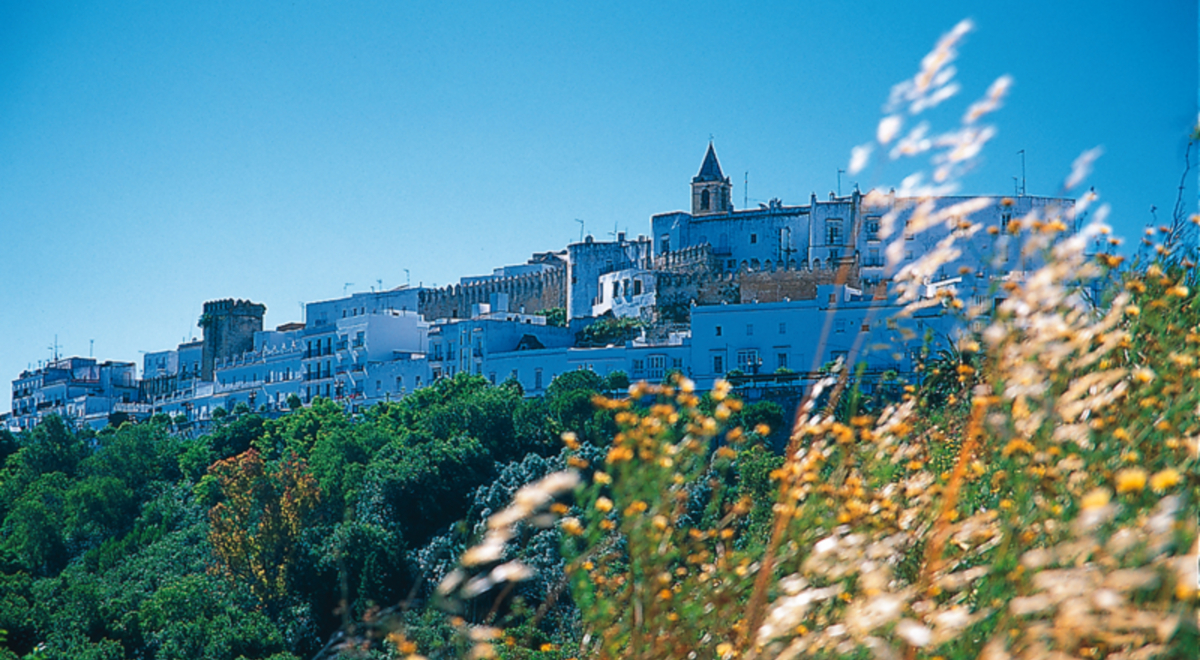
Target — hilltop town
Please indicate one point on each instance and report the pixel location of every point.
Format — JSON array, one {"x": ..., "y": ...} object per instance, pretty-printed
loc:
[{"x": 765, "y": 297}]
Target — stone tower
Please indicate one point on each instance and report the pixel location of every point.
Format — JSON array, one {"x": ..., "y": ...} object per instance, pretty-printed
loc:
[
  {"x": 711, "y": 188},
  {"x": 229, "y": 327}
]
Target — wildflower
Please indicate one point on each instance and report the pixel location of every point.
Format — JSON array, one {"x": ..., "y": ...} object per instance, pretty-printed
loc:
[
  {"x": 572, "y": 526},
  {"x": 1131, "y": 480},
  {"x": 1164, "y": 480},
  {"x": 604, "y": 505},
  {"x": 1017, "y": 445},
  {"x": 602, "y": 478},
  {"x": 569, "y": 439},
  {"x": 1096, "y": 498}
]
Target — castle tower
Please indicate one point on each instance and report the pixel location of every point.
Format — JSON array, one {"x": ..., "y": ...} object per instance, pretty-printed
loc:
[
  {"x": 229, "y": 327},
  {"x": 711, "y": 188}
]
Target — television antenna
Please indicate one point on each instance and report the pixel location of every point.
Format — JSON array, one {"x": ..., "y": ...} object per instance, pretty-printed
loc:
[
  {"x": 580, "y": 229},
  {"x": 1022, "y": 152},
  {"x": 840, "y": 173}
]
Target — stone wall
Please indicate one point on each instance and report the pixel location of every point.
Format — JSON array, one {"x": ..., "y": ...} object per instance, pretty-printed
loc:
[
  {"x": 532, "y": 292},
  {"x": 695, "y": 259},
  {"x": 678, "y": 292},
  {"x": 779, "y": 285}
]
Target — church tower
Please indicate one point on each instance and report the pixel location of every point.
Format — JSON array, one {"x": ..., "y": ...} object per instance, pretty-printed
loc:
[{"x": 711, "y": 188}]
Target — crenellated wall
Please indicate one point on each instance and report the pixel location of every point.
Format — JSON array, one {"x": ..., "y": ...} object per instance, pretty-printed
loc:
[
  {"x": 693, "y": 259},
  {"x": 532, "y": 292}
]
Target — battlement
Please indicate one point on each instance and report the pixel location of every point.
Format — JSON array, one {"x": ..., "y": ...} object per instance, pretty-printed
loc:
[
  {"x": 692, "y": 258},
  {"x": 232, "y": 307},
  {"x": 531, "y": 291}
]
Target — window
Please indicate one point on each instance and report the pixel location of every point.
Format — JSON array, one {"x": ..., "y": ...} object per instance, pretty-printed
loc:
[
  {"x": 537, "y": 379},
  {"x": 676, "y": 363},
  {"x": 718, "y": 333},
  {"x": 637, "y": 287},
  {"x": 658, "y": 367},
  {"x": 1005, "y": 218},
  {"x": 783, "y": 328},
  {"x": 749, "y": 329},
  {"x": 748, "y": 360},
  {"x": 753, "y": 239},
  {"x": 839, "y": 325},
  {"x": 492, "y": 378},
  {"x": 833, "y": 232},
  {"x": 781, "y": 359},
  {"x": 379, "y": 386},
  {"x": 638, "y": 367},
  {"x": 872, "y": 226},
  {"x": 705, "y": 200},
  {"x": 718, "y": 364},
  {"x": 399, "y": 383},
  {"x": 358, "y": 339},
  {"x": 873, "y": 258},
  {"x": 664, "y": 244}
]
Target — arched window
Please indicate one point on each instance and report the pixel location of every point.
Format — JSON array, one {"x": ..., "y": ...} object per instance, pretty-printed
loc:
[{"x": 704, "y": 200}]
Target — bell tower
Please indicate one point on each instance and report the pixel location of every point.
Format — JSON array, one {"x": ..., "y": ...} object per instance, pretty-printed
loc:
[{"x": 711, "y": 188}]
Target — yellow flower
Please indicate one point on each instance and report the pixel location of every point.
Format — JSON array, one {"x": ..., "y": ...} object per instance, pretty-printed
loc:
[
  {"x": 1164, "y": 480},
  {"x": 604, "y": 505},
  {"x": 572, "y": 526},
  {"x": 1096, "y": 498},
  {"x": 1131, "y": 480},
  {"x": 570, "y": 440},
  {"x": 602, "y": 478}
]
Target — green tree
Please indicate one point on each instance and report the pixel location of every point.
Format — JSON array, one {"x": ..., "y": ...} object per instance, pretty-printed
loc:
[{"x": 33, "y": 529}]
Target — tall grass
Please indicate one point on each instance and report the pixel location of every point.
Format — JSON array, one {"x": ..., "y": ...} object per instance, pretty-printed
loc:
[{"x": 1047, "y": 508}]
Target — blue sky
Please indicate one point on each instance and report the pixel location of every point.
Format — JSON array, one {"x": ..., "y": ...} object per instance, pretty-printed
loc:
[{"x": 156, "y": 155}]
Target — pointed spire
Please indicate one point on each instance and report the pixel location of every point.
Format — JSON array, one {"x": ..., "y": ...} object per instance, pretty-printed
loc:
[{"x": 711, "y": 169}]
